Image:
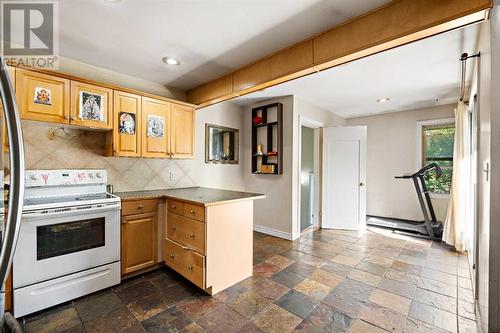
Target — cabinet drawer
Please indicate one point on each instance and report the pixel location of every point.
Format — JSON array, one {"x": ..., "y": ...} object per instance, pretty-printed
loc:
[
  {"x": 176, "y": 207},
  {"x": 194, "y": 212},
  {"x": 187, "y": 232},
  {"x": 139, "y": 206},
  {"x": 189, "y": 264}
]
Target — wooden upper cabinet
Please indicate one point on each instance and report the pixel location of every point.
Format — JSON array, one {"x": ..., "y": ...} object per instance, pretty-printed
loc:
[
  {"x": 126, "y": 124},
  {"x": 91, "y": 105},
  {"x": 182, "y": 145},
  {"x": 155, "y": 128},
  {"x": 42, "y": 97}
]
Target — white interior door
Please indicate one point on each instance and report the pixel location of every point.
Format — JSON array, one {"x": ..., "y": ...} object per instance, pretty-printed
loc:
[{"x": 344, "y": 177}]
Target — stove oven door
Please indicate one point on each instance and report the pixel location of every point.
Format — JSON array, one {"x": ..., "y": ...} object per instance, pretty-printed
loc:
[{"x": 57, "y": 244}]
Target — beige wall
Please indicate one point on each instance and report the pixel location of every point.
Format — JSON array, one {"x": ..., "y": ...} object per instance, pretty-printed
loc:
[
  {"x": 50, "y": 146},
  {"x": 226, "y": 176},
  {"x": 392, "y": 150},
  {"x": 273, "y": 214},
  {"x": 279, "y": 213}
]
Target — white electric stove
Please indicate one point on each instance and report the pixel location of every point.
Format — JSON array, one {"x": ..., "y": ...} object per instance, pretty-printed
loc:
[{"x": 69, "y": 242}]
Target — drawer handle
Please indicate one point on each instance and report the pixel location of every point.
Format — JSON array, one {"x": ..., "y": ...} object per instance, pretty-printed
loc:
[
  {"x": 173, "y": 206},
  {"x": 140, "y": 207},
  {"x": 191, "y": 235},
  {"x": 192, "y": 211},
  {"x": 173, "y": 227},
  {"x": 190, "y": 267},
  {"x": 172, "y": 256}
]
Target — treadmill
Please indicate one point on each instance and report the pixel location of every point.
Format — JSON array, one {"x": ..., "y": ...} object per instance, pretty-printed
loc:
[{"x": 429, "y": 228}]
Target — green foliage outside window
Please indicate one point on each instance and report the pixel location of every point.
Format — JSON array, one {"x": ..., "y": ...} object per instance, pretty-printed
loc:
[{"x": 439, "y": 143}]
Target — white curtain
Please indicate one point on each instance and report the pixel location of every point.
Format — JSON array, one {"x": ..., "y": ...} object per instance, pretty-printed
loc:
[{"x": 460, "y": 197}]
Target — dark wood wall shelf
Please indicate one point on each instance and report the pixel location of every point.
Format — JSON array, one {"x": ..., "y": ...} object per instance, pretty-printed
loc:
[{"x": 271, "y": 118}]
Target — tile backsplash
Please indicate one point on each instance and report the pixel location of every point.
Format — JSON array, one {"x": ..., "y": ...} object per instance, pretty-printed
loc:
[{"x": 50, "y": 146}]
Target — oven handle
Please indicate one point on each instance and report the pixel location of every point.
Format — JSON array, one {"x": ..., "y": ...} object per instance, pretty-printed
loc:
[
  {"x": 16, "y": 156},
  {"x": 72, "y": 211}
]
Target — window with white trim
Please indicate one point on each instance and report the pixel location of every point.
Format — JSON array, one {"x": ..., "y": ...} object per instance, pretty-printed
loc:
[{"x": 437, "y": 144}]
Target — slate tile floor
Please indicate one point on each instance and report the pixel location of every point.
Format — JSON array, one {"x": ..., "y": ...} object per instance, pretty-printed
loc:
[{"x": 328, "y": 281}]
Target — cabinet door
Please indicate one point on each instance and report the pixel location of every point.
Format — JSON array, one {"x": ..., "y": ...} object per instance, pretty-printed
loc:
[
  {"x": 42, "y": 97},
  {"x": 182, "y": 145},
  {"x": 91, "y": 105},
  {"x": 155, "y": 128},
  {"x": 12, "y": 74},
  {"x": 139, "y": 241},
  {"x": 126, "y": 124}
]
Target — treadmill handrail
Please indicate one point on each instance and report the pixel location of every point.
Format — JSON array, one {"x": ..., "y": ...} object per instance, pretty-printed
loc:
[{"x": 426, "y": 169}]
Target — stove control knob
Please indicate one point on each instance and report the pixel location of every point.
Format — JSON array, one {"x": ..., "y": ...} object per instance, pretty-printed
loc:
[
  {"x": 91, "y": 175},
  {"x": 98, "y": 175},
  {"x": 34, "y": 177}
]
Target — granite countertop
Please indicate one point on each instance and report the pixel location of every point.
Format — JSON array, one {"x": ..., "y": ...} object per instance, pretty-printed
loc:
[{"x": 198, "y": 195}]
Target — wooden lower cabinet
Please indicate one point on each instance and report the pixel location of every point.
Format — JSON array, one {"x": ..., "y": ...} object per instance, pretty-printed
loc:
[
  {"x": 139, "y": 206},
  {"x": 186, "y": 262},
  {"x": 186, "y": 231},
  {"x": 211, "y": 246},
  {"x": 139, "y": 241},
  {"x": 185, "y": 238}
]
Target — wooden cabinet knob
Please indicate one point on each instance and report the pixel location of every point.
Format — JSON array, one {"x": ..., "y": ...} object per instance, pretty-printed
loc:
[
  {"x": 173, "y": 227},
  {"x": 190, "y": 267},
  {"x": 140, "y": 207},
  {"x": 191, "y": 235},
  {"x": 173, "y": 206},
  {"x": 192, "y": 211},
  {"x": 172, "y": 256}
]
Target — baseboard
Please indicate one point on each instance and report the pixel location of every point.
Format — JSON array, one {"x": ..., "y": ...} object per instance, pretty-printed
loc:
[{"x": 272, "y": 232}]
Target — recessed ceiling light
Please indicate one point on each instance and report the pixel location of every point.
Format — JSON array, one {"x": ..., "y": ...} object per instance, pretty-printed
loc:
[
  {"x": 383, "y": 100},
  {"x": 170, "y": 61}
]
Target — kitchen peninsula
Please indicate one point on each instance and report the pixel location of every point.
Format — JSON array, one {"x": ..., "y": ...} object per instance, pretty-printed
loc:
[{"x": 204, "y": 234}]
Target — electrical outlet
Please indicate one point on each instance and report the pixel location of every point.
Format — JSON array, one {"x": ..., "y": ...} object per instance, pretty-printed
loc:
[{"x": 171, "y": 175}]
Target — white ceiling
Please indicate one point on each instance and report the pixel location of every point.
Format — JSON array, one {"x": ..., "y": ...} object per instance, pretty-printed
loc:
[
  {"x": 209, "y": 37},
  {"x": 421, "y": 74}
]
